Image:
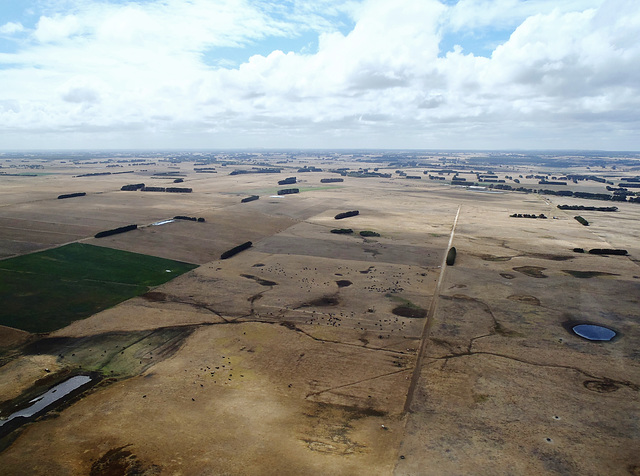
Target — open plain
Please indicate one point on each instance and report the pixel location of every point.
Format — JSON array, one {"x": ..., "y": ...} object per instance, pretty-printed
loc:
[{"x": 314, "y": 352}]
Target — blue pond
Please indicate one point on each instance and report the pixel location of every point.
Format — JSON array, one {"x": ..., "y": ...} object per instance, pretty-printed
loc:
[{"x": 593, "y": 332}]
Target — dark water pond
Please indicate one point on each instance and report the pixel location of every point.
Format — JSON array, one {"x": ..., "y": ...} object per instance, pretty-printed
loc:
[{"x": 593, "y": 332}]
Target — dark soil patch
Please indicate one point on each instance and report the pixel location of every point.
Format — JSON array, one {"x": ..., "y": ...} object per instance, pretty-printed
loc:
[
  {"x": 601, "y": 386},
  {"x": 155, "y": 296},
  {"x": 405, "y": 310},
  {"x": 322, "y": 302},
  {"x": 531, "y": 271},
  {"x": 121, "y": 462},
  {"x": 550, "y": 256},
  {"x": 587, "y": 274},
  {"x": 343, "y": 283},
  {"x": 534, "y": 301},
  {"x": 260, "y": 281},
  {"x": 289, "y": 325},
  {"x": 495, "y": 258}
]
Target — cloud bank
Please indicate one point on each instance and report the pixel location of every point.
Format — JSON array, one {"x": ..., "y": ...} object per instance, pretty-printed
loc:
[{"x": 185, "y": 74}]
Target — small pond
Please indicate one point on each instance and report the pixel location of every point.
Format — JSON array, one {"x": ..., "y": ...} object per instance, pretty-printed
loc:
[
  {"x": 48, "y": 398},
  {"x": 593, "y": 332}
]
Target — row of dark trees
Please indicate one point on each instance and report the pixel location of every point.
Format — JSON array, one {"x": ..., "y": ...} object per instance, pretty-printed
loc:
[
  {"x": 132, "y": 187},
  {"x": 603, "y": 251},
  {"x": 115, "y": 231},
  {"x": 588, "y": 208},
  {"x": 167, "y": 189},
  {"x": 71, "y": 195},
  {"x": 342, "y": 215},
  {"x": 287, "y": 181},
  {"x": 528, "y": 215},
  {"x": 288, "y": 191},
  {"x": 256, "y": 171},
  {"x": 250, "y": 199},
  {"x": 95, "y": 174},
  {"x": 183, "y": 217},
  {"x": 234, "y": 251}
]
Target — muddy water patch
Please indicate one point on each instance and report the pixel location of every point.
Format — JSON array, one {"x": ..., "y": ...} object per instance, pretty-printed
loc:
[
  {"x": 322, "y": 302},
  {"x": 406, "y": 310},
  {"x": 260, "y": 281},
  {"x": 114, "y": 354},
  {"x": 549, "y": 256},
  {"x": 525, "y": 298},
  {"x": 531, "y": 271},
  {"x": 495, "y": 258},
  {"x": 121, "y": 461},
  {"x": 155, "y": 296},
  {"x": 587, "y": 274}
]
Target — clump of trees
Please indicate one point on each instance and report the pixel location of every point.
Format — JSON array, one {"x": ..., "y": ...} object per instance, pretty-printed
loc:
[
  {"x": 581, "y": 220},
  {"x": 183, "y": 217},
  {"x": 115, "y": 231},
  {"x": 132, "y": 187},
  {"x": 250, "y": 199},
  {"x": 451, "y": 256},
  {"x": 288, "y": 191},
  {"x": 71, "y": 195},
  {"x": 528, "y": 215},
  {"x": 549, "y": 182},
  {"x": 608, "y": 251},
  {"x": 331, "y": 180},
  {"x": 587, "y": 208},
  {"x": 342, "y": 215},
  {"x": 236, "y": 250},
  {"x": 287, "y": 181},
  {"x": 168, "y": 189},
  {"x": 342, "y": 231},
  {"x": 256, "y": 171},
  {"x": 367, "y": 233}
]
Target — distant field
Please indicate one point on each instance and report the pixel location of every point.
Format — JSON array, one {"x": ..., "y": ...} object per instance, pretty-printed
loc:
[{"x": 45, "y": 291}]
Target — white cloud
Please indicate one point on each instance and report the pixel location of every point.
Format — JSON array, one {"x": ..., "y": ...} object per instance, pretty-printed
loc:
[
  {"x": 138, "y": 68},
  {"x": 56, "y": 28},
  {"x": 11, "y": 28}
]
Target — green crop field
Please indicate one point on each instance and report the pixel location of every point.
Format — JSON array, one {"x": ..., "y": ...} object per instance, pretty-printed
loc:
[{"x": 45, "y": 291}]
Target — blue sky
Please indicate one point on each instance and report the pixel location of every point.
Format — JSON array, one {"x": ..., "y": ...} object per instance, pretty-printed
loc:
[{"x": 471, "y": 74}]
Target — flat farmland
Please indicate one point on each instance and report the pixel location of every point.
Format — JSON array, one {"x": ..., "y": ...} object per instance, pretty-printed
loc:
[
  {"x": 319, "y": 353},
  {"x": 47, "y": 290}
]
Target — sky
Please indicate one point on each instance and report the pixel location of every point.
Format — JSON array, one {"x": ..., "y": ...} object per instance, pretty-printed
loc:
[{"x": 392, "y": 74}]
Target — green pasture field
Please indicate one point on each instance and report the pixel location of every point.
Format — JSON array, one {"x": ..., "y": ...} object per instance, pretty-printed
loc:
[{"x": 45, "y": 291}]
